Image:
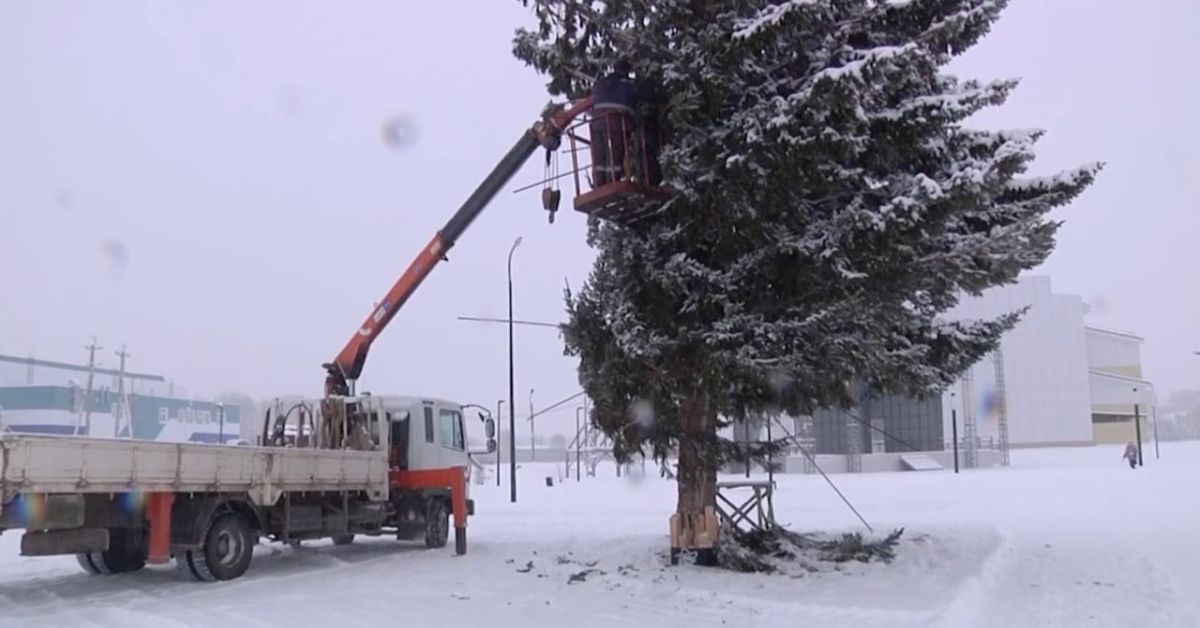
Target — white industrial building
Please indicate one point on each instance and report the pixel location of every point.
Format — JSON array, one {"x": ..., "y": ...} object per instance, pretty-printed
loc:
[
  {"x": 1055, "y": 380},
  {"x": 1118, "y": 388}
]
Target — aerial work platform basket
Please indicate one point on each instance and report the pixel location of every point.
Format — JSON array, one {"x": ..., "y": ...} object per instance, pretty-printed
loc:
[{"x": 624, "y": 175}]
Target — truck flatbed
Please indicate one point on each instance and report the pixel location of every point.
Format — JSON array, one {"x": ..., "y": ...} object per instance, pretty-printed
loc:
[
  {"x": 118, "y": 504},
  {"x": 65, "y": 464}
]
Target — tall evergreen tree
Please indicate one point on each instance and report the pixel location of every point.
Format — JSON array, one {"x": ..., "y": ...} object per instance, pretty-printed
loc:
[{"x": 829, "y": 205}]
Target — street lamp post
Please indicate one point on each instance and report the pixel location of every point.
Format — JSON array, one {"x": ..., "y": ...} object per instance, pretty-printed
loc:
[
  {"x": 1154, "y": 420},
  {"x": 532, "y": 439},
  {"x": 512, "y": 411},
  {"x": 954, "y": 429},
  {"x": 499, "y": 441},
  {"x": 1137, "y": 426}
]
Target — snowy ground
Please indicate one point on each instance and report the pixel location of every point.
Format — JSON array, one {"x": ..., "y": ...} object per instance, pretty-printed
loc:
[{"x": 1064, "y": 537}]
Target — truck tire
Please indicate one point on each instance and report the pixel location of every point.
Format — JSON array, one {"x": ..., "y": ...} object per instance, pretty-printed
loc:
[
  {"x": 437, "y": 523},
  {"x": 227, "y": 550},
  {"x": 183, "y": 562},
  {"x": 85, "y": 561},
  {"x": 126, "y": 553},
  {"x": 343, "y": 539}
]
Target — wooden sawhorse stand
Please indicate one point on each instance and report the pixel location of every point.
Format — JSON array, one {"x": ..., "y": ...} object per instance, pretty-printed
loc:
[{"x": 757, "y": 511}]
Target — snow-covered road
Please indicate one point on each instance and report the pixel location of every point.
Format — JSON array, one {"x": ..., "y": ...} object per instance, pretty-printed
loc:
[{"x": 1065, "y": 537}]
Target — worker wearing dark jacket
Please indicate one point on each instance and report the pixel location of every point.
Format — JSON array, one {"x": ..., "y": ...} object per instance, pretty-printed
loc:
[
  {"x": 616, "y": 91},
  {"x": 614, "y": 115}
]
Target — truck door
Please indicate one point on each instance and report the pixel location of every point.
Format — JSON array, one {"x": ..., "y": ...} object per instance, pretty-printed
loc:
[
  {"x": 453, "y": 450},
  {"x": 399, "y": 424}
]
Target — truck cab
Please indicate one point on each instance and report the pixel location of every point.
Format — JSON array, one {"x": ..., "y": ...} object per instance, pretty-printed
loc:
[
  {"x": 426, "y": 433},
  {"x": 425, "y": 445}
]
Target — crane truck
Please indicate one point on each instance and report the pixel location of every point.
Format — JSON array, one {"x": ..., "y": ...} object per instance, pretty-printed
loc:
[{"x": 337, "y": 466}]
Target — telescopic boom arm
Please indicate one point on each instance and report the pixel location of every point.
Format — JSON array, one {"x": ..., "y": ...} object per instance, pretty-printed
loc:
[{"x": 546, "y": 133}]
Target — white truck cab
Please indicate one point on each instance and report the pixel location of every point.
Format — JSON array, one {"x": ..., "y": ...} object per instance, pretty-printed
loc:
[{"x": 426, "y": 433}]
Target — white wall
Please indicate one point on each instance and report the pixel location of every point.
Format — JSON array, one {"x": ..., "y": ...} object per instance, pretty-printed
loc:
[
  {"x": 1114, "y": 352},
  {"x": 1114, "y": 394},
  {"x": 1045, "y": 367}
]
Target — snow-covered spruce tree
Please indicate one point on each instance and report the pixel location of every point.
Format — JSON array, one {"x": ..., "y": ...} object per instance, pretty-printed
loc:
[{"x": 829, "y": 205}]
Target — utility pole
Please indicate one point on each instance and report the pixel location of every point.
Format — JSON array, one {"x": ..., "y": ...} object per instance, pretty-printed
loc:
[
  {"x": 745, "y": 424},
  {"x": 532, "y": 440},
  {"x": 499, "y": 441},
  {"x": 512, "y": 409},
  {"x": 1137, "y": 424},
  {"x": 587, "y": 430},
  {"x": 954, "y": 429},
  {"x": 87, "y": 398},
  {"x": 954, "y": 434},
  {"x": 121, "y": 407},
  {"x": 578, "y": 441},
  {"x": 1154, "y": 413},
  {"x": 770, "y": 458}
]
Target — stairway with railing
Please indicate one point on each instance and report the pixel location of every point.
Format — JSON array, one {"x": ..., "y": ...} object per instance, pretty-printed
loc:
[
  {"x": 970, "y": 426},
  {"x": 587, "y": 450},
  {"x": 1001, "y": 407}
]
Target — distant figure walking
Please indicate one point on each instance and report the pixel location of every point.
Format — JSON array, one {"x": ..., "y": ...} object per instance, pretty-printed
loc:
[{"x": 1130, "y": 454}]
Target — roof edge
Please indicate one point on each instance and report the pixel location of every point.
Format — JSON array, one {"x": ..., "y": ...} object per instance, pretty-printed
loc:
[{"x": 1112, "y": 332}]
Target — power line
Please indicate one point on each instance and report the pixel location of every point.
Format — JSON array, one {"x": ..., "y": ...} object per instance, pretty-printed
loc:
[
  {"x": 822, "y": 472},
  {"x": 505, "y": 320},
  {"x": 556, "y": 405},
  {"x": 880, "y": 430}
]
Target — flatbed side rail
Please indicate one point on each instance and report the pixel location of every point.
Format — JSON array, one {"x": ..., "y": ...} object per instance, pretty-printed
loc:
[{"x": 67, "y": 464}]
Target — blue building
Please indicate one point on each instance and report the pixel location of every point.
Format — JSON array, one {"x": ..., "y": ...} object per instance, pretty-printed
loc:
[{"x": 45, "y": 397}]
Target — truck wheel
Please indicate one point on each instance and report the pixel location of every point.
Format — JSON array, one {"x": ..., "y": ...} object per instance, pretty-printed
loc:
[
  {"x": 227, "y": 550},
  {"x": 343, "y": 539},
  {"x": 85, "y": 561},
  {"x": 126, "y": 553},
  {"x": 437, "y": 523},
  {"x": 183, "y": 562}
]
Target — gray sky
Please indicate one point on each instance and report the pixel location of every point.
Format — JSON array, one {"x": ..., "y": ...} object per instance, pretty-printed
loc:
[{"x": 231, "y": 154}]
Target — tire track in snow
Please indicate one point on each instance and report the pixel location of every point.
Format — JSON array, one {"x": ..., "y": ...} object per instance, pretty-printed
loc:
[{"x": 1031, "y": 582}]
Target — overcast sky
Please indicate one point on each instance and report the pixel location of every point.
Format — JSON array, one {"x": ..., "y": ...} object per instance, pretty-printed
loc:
[{"x": 208, "y": 183}]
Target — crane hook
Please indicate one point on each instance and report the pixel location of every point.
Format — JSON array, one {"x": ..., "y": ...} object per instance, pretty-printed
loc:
[{"x": 550, "y": 201}]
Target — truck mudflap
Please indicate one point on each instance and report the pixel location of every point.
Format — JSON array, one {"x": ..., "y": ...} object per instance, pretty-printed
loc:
[{"x": 452, "y": 478}]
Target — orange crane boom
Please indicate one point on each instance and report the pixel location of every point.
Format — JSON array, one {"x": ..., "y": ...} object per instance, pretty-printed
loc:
[{"x": 547, "y": 133}]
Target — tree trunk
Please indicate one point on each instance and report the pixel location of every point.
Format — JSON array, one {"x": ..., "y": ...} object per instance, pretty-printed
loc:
[{"x": 694, "y": 525}]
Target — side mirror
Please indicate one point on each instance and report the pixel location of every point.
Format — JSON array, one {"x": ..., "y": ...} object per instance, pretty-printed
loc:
[
  {"x": 489, "y": 428},
  {"x": 491, "y": 446}
]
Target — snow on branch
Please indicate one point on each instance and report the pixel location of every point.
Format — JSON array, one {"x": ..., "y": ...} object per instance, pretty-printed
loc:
[
  {"x": 960, "y": 101},
  {"x": 1070, "y": 178},
  {"x": 768, "y": 17},
  {"x": 991, "y": 138},
  {"x": 855, "y": 68},
  {"x": 956, "y": 23}
]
